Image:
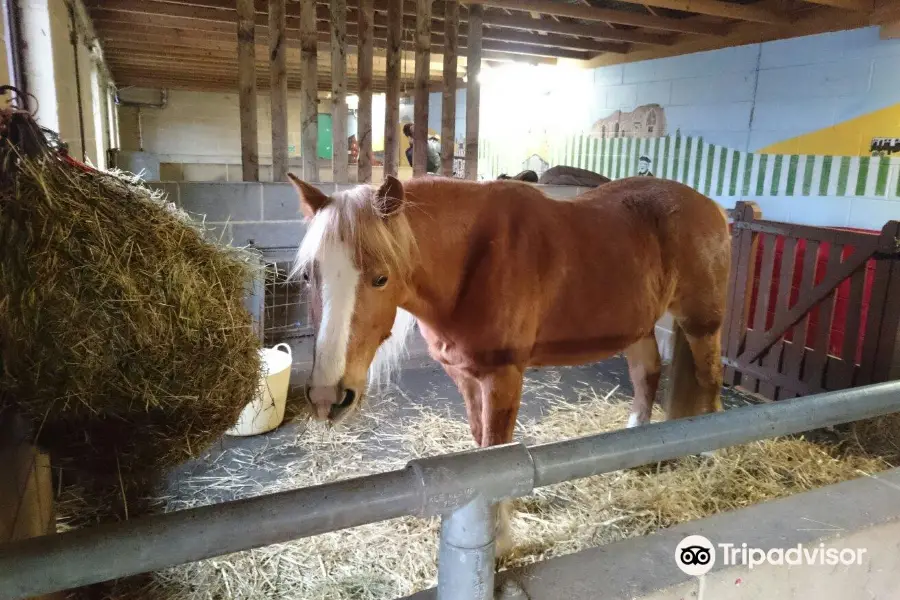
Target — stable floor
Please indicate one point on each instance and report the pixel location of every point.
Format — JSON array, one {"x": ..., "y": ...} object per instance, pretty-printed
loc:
[{"x": 239, "y": 467}]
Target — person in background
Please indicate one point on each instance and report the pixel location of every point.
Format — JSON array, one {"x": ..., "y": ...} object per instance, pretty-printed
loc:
[
  {"x": 433, "y": 164},
  {"x": 644, "y": 167}
]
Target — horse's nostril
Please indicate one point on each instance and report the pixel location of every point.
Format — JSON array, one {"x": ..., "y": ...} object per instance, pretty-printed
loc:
[{"x": 349, "y": 397}]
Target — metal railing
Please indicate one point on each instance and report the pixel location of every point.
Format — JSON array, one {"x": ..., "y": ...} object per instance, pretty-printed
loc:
[{"x": 461, "y": 488}]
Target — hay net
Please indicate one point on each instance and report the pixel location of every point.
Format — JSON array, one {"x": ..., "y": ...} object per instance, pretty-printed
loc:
[{"x": 124, "y": 340}]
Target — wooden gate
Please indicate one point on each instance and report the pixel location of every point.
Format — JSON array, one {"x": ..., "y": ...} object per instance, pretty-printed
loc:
[{"x": 781, "y": 339}]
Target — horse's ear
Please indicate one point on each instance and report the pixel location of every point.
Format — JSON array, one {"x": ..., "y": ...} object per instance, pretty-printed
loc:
[
  {"x": 389, "y": 197},
  {"x": 311, "y": 199}
]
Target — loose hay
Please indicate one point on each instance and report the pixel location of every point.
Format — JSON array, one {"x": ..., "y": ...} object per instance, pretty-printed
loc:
[
  {"x": 124, "y": 340},
  {"x": 386, "y": 560}
]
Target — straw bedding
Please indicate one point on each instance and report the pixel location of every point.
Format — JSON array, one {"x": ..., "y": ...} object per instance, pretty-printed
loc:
[
  {"x": 124, "y": 341},
  {"x": 388, "y": 560}
]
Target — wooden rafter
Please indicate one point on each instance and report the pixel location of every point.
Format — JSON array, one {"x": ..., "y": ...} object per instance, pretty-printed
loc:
[
  {"x": 811, "y": 22},
  {"x": 860, "y": 5},
  {"x": 716, "y": 8},
  {"x": 185, "y": 16},
  {"x": 606, "y": 15},
  {"x": 595, "y": 30}
]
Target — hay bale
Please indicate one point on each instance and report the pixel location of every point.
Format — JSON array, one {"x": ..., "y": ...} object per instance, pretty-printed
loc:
[{"x": 124, "y": 339}]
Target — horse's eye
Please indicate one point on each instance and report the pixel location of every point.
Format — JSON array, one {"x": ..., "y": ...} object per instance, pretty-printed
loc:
[
  {"x": 306, "y": 276},
  {"x": 380, "y": 281}
]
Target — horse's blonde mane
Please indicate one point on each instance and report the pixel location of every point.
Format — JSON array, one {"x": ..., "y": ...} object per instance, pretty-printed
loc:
[{"x": 351, "y": 218}]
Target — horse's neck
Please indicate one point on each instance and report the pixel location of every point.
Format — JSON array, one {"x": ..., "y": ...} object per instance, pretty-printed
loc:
[{"x": 442, "y": 232}]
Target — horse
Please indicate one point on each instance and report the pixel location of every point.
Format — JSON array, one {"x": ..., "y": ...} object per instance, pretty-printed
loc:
[{"x": 501, "y": 278}]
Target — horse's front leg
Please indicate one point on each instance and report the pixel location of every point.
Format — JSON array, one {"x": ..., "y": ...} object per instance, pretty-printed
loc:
[
  {"x": 501, "y": 396},
  {"x": 470, "y": 389},
  {"x": 501, "y": 393}
]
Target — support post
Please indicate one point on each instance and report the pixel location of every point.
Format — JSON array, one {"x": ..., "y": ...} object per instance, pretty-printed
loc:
[
  {"x": 279, "y": 89},
  {"x": 423, "y": 68},
  {"x": 448, "y": 100},
  {"x": 466, "y": 553},
  {"x": 392, "y": 96},
  {"x": 37, "y": 62},
  {"x": 309, "y": 90},
  {"x": 365, "y": 56},
  {"x": 473, "y": 89},
  {"x": 26, "y": 488},
  {"x": 339, "y": 166},
  {"x": 246, "y": 37}
]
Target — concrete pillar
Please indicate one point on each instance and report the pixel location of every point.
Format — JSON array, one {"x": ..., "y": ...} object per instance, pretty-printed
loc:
[{"x": 37, "y": 61}]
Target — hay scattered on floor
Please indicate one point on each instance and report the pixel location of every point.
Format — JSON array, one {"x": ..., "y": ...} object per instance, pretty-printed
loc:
[
  {"x": 386, "y": 560},
  {"x": 877, "y": 437}
]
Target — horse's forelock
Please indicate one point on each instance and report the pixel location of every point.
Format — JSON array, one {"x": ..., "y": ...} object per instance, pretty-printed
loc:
[{"x": 351, "y": 218}]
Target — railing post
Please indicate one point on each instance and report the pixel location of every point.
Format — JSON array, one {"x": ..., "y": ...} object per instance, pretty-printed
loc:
[
  {"x": 255, "y": 298},
  {"x": 466, "y": 553}
]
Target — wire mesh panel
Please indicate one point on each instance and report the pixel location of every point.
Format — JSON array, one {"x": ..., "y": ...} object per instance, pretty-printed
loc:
[{"x": 286, "y": 314}]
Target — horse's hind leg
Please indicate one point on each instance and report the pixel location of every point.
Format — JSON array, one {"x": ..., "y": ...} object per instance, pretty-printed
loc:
[
  {"x": 644, "y": 368},
  {"x": 696, "y": 379},
  {"x": 707, "y": 351}
]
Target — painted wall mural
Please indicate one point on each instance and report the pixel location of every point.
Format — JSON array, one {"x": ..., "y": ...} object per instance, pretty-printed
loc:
[{"x": 809, "y": 128}]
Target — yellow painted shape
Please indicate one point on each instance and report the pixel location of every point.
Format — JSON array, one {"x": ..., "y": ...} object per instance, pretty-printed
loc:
[{"x": 850, "y": 138}]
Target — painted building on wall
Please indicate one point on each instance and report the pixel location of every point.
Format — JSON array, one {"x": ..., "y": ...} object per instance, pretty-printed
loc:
[{"x": 805, "y": 127}]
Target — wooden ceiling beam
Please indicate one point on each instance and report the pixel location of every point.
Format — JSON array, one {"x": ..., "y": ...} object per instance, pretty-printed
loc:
[
  {"x": 859, "y": 5},
  {"x": 808, "y": 23},
  {"x": 727, "y": 10},
  {"x": 554, "y": 41},
  {"x": 409, "y": 6},
  {"x": 532, "y": 50},
  {"x": 135, "y": 13},
  {"x": 595, "y": 31},
  {"x": 221, "y": 71},
  {"x": 606, "y": 15},
  {"x": 106, "y": 22},
  {"x": 225, "y": 41},
  {"x": 219, "y": 65}
]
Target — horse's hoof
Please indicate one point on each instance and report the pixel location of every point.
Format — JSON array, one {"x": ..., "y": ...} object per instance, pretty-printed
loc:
[{"x": 510, "y": 590}]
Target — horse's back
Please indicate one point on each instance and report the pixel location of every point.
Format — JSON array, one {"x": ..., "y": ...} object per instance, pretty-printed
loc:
[{"x": 667, "y": 201}]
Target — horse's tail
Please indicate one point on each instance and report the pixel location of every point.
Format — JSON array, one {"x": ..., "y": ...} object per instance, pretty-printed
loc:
[{"x": 683, "y": 392}]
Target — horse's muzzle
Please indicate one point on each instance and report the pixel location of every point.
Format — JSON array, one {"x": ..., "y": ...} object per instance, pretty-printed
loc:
[{"x": 331, "y": 403}]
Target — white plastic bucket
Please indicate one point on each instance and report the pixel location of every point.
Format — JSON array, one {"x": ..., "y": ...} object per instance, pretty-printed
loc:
[{"x": 266, "y": 411}]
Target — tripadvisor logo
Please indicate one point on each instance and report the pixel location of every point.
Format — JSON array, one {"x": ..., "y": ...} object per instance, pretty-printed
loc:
[{"x": 695, "y": 555}]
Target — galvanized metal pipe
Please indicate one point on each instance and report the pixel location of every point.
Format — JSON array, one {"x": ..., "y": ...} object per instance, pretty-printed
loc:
[
  {"x": 59, "y": 562},
  {"x": 623, "y": 449},
  {"x": 466, "y": 553}
]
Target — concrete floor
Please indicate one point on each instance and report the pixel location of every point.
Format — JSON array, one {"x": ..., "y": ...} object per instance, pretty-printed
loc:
[{"x": 421, "y": 382}]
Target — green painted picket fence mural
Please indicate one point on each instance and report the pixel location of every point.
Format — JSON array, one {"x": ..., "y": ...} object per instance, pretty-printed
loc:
[{"x": 714, "y": 170}]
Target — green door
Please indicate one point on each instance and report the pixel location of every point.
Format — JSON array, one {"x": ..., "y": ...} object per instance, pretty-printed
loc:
[{"x": 325, "y": 140}]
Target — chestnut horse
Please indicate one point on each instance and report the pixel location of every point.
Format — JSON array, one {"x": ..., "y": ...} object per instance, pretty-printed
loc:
[{"x": 501, "y": 278}]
